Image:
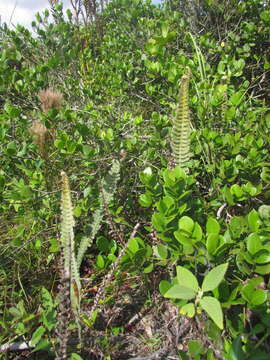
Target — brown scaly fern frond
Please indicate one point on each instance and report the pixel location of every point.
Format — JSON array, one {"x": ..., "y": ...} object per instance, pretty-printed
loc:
[
  {"x": 50, "y": 99},
  {"x": 40, "y": 135}
]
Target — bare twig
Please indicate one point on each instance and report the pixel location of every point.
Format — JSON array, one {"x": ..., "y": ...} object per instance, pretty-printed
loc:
[{"x": 222, "y": 207}]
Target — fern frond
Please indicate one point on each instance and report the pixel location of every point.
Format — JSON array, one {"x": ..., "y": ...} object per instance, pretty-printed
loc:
[
  {"x": 86, "y": 241},
  {"x": 180, "y": 141},
  {"x": 108, "y": 188},
  {"x": 109, "y": 183},
  {"x": 67, "y": 242}
]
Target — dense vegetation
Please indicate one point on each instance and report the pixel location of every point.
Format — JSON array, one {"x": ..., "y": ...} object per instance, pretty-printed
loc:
[{"x": 135, "y": 182}]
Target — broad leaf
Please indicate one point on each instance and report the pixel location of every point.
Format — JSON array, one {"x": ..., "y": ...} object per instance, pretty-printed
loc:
[
  {"x": 214, "y": 277},
  {"x": 186, "y": 278},
  {"x": 186, "y": 224},
  {"x": 212, "y": 226},
  {"x": 213, "y": 308},
  {"x": 188, "y": 310},
  {"x": 180, "y": 292}
]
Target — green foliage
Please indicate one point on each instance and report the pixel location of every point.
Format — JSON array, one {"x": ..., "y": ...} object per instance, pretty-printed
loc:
[
  {"x": 119, "y": 75},
  {"x": 187, "y": 288}
]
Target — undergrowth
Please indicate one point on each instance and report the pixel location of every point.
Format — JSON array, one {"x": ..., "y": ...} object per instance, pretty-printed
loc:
[{"x": 134, "y": 182}]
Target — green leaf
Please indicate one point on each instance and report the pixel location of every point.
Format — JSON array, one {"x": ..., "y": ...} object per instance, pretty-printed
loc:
[
  {"x": 228, "y": 196},
  {"x": 161, "y": 251},
  {"x": 258, "y": 297},
  {"x": 236, "y": 98},
  {"x": 197, "y": 232},
  {"x": 164, "y": 29},
  {"x": 214, "y": 277},
  {"x": 47, "y": 301},
  {"x": 212, "y": 226},
  {"x": 237, "y": 191},
  {"x": 236, "y": 352},
  {"x": 75, "y": 356},
  {"x": 186, "y": 278},
  {"x": 213, "y": 308},
  {"x": 186, "y": 224},
  {"x": 212, "y": 243},
  {"x": 158, "y": 222},
  {"x": 42, "y": 345},
  {"x": 188, "y": 310},
  {"x": 195, "y": 348},
  {"x": 164, "y": 286},
  {"x": 152, "y": 47},
  {"x": 254, "y": 220},
  {"x": 262, "y": 269},
  {"x": 253, "y": 243},
  {"x": 265, "y": 174},
  {"x": 148, "y": 268},
  {"x": 133, "y": 245},
  {"x": 265, "y": 16},
  {"x": 180, "y": 292},
  {"x": 264, "y": 212},
  {"x": 103, "y": 243},
  {"x": 262, "y": 257},
  {"x": 145, "y": 200},
  {"x": 36, "y": 337},
  {"x": 77, "y": 211},
  {"x": 100, "y": 262}
]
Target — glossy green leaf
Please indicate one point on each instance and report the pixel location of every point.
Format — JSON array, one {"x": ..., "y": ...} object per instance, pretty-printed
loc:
[
  {"x": 197, "y": 232},
  {"x": 145, "y": 200},
  {"x": 186, "y": 224},
  {"x": 158, "y": 221},
  {"x": 100, "y": 261},
  {"x": 262, "y": 269},
  {"x": 254, "y": 220},
  {"x": 253, "y": 243},
  {"x": 236, "y": 98},
  {"x": 161, "y": 251},
  {"x": 212, "y": 226},
  {"x": 75, "y": 356},
  {"x": 212, "y": 243}
]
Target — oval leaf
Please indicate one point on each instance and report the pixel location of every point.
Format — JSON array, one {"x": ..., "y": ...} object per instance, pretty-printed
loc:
[
  {"x": 180, "y": 292},
  {"x": 214, "y": 277},
  {"x": 213, "y": 308},
  {"x": 36, "y": 337},
  {"x": 212, "y": 226},
  {"x": 186, "y": 278},
  {"x": 186, "y": 224},
  {"x": 164, "y": 286},
  {"x": 188, "y": 310}
]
